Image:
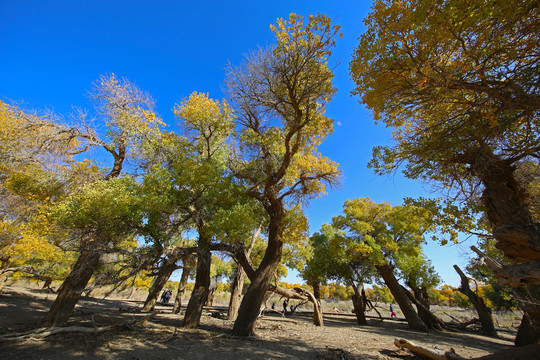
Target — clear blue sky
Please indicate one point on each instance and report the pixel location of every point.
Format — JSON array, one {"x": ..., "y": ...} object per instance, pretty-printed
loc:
[{"x": 51, "y": 51}]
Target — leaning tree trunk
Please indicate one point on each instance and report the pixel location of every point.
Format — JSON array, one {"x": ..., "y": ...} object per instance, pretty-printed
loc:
[
  {"x": 254, "y": 297},
  {"x": 429, "y": 318},
  {"x": 514, "y": 228},
  {"x": 236, "y": 293},
  {"x": 182, "y": 285},
  {"x": 194, "y": 308},
  {"x": 163, "y": 275},
  {"x": 359, "y": 304},
  {"x": 484, "y": 312},
  {"x": 47, "y": 283},
  {"x": 405, "y": 305},
  {"x": 71, "y": 289}
]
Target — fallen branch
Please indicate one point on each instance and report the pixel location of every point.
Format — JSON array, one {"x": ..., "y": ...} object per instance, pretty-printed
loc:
[
  {"x": 426, "y": 353},
  {"x": 279, "y": 320},
  {"x": 45, "y": 332},
  {"x": 42, "y": 333}
]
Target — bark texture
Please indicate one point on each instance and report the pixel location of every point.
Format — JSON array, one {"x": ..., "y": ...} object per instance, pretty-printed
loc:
[
  {"x": 359, "y": 304},
  {"x": 508, "y": 210},
  {"x": 484, "y": 312},
  {"x": 422, "y": 305},
  {"x": 317, "y": 289},
  {"x": 236, "y": 293},
  {"x": 414, "y": 321},
  {"x": 71, "y": 289},
  {"x": 239, "y": 279},
  {"x": 211, "y": 292},
  {"x": 198, "y": 298},
  {"x": 163, "y": 275},
  {"x": 182, "y": 284},
  {"x": 251, "y": 303}
]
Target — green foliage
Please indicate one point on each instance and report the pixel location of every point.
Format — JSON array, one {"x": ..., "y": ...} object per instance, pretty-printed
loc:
[
  {"x": 379, "y": 233},
  {"x": 106, "y": 210},
  {"x": 280, "y": 100},
  {"x": 418, "y": 272},
  {"x": 380, "y": 294},
  {"x": 456, "y": 80}
]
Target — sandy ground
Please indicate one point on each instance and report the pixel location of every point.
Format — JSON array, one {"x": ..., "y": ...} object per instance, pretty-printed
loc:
[{"x": 21, "y": 309}]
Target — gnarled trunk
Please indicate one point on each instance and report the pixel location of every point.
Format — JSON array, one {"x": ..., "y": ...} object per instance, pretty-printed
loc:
[
  {"x": 236, "y": 293},
  {"x": 163, "y": 275},
  {"x": 71, "y": 289},
  {"x": 414, "y": 321},
  {"x": 484, "y": 312},
  {"x": 359, "y": 304},
  {"x": 182, "y": 286},
  {"x": 198, "y": 298},
  {"x": 508, "y": 210},
  {"x": 253, "y": 299}
]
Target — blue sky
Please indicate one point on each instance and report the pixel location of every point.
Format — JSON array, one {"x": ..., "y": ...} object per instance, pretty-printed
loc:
[{"x": 51, "y": 52}]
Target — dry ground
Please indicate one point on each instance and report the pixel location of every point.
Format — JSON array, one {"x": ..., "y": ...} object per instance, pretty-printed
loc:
[{"x": 21, "y": 309}]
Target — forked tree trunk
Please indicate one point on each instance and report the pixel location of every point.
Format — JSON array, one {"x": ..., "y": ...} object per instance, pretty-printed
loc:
[
  {"x": 359, "y": 304},
  {"x": 71, "y": 289},
  {"x": 198, "y": 298},
  {"x": 484, "y": 312},
  {"x": 405, "y": 305},
  {"x": 163, "y": 275},
  {"x": 254, "y": 297},
  {"x": 181, "y": 286},
  {"x": 236, "y": 293}
]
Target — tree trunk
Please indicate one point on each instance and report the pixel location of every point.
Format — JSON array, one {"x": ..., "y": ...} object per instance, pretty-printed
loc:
[
  {"x": 484, "y": 312},
  {"x": 211, "y": 292},
  {"x": 3, "y": 279},
  {"x": 71, "y": 289},
  {"x": 239, "y": 279},
  {"x": 317, "y": 310},
  {"x": 3, "y": 273},
  {"x": 198, "y": 298},
  {"x": 317, "y": 289},
  {"x": 47, "y": 283},
  {"x": 182, "y": 286},
  {"x": 254, "y": 297},
  {"x": 359, "y": 304},
  {"x": 429, "y": 318},
  {"x": 163, "y": 275},
  {"x": 236, "y": 293},
  {"x": 514, "y": 228},
  {"x": 525, "y": 335},
  {"x": 414, "y": 321}
]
